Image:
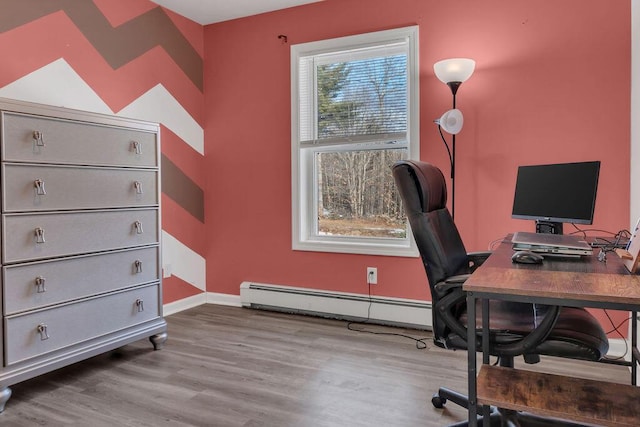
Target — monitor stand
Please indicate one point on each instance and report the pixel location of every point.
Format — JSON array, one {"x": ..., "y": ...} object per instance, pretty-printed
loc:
[{"x": 549, "y": 227}]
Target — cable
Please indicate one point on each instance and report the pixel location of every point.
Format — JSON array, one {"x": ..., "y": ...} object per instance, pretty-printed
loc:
[
  {"x": 617, "y": 235},
  {"x": 617, "y": 330},
  {"x": 617, "y": 327},
  {"x": 420, "y": 342},
  {"x": 619, "y": 240},
  {"x": 494, "y": 243}
]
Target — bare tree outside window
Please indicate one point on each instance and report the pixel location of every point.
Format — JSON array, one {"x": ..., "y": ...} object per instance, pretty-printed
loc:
[
  {"x": 358, "y": 196},
  {"x": 356, "y": 192}
]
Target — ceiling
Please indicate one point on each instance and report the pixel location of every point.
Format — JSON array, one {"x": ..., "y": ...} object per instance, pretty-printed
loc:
[{"x": 210, "y": 11}]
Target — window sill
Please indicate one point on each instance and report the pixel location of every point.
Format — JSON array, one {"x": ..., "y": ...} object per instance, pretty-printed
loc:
[{"x": 359, "y": 248}]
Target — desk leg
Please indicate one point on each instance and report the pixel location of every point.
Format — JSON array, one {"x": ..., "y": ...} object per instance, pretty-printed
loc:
[
  {"x": 471, "y": 359},
  {"x": 485, "y": 348},
  {"x": 635, "y": 353}
]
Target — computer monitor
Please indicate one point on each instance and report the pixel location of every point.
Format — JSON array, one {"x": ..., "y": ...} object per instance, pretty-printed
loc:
[{"x": 556, "y": 193}]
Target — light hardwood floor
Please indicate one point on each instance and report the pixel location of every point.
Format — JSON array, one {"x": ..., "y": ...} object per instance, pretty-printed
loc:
[{"x": 229, "y": 366}]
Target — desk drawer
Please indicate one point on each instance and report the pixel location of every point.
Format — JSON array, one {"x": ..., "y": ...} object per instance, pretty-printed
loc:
[
  {"x": 45, "y": 283},
  {"x": 70, "y": 142},
  {"x": 41, "y": 332},
  {"x": 47, "y": 235},
  {"x": 40, "y": 188}
]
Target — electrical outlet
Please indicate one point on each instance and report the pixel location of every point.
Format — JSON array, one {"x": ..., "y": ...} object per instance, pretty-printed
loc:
[{"x": 372, "y": 275}]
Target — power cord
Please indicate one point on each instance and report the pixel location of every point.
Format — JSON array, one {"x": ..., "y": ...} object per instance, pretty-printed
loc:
[
  {"x": 619, "y": 239},
  {"x": 616, "y": 329},
  {"x": 421, "y": 344},
  {"x": 494, "y": 243}
]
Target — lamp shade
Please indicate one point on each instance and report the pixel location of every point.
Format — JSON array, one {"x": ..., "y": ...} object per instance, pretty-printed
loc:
[
  {"x": 451, "y": 121},
  {"x": 454, "y": 69}
]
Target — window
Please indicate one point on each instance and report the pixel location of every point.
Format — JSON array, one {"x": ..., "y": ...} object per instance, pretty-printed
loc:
[{"x": 354, "y": 113}]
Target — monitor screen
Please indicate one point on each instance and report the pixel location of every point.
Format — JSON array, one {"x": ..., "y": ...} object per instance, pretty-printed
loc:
[{"x": 563, "y": 192}]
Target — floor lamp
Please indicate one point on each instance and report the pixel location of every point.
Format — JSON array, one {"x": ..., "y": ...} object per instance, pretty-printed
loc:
[{"x": 453, "y": 72}]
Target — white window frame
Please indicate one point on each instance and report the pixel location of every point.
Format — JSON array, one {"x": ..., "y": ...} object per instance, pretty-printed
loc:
[{"x": 302, "y": 170}]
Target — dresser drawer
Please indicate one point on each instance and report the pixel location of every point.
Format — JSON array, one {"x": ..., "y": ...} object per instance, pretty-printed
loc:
[
  {"x": 40, "y": 188},
  {"x": 41, "y": 332},
  {"x": 47, "y": 235},
  {"x": 44, "y": 283},
  {"x": 50, "y": 140}
]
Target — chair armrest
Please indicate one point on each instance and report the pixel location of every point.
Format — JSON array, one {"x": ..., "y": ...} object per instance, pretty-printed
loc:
[
  {"x": 450, "y": 283},
  {"x": 460, "y": 278},
  {"x": 476, "y": 259}
]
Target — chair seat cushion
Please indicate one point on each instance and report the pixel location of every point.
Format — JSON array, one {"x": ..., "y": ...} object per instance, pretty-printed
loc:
[{"x": 576, "y": 334}]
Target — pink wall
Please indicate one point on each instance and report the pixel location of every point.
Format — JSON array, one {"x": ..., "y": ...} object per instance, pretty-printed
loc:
[{"x": 551, "y": 84}]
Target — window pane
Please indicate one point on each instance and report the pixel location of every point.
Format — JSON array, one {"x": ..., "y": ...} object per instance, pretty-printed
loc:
[
  {"x": 362, "y": 97},
  {"x": 357, "y": 195}
]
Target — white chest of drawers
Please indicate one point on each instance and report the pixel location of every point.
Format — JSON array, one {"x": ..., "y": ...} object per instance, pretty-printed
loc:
[{"x": 80, "y": 237}]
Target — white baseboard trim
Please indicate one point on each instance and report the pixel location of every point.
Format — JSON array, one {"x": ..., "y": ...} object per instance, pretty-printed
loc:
[
  {"x": 184, "y": 304},
  {"x": 200, "y": 299},
  {"x": 224, "y": 299}
]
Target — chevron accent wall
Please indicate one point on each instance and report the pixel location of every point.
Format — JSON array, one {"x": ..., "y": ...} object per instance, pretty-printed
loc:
[{"x": 130, "y": 58}]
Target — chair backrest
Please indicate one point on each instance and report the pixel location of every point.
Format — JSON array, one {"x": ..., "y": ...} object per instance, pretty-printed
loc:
[{"x": 423, "y": 190}]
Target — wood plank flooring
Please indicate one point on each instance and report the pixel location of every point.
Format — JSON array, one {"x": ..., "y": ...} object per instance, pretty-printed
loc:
[{"x": 229, "y": 366}]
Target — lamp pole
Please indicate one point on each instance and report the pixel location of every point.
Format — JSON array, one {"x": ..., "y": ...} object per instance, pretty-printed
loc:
[{"x": 454, "y": 89}]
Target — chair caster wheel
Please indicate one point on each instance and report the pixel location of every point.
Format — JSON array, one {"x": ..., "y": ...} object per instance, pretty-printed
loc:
[{"x": 437, "y": 401}]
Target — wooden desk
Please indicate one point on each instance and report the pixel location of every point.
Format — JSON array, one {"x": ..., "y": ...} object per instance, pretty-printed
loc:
[{"x": 584, "y": 282}]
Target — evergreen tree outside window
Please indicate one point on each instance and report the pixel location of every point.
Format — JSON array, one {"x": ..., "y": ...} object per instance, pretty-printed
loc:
[{"x": 354, "y": 113}]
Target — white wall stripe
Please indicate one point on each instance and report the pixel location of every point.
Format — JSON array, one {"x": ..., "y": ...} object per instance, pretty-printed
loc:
[
  {"x": 59, "y": 85},
  {"x": 56, "y": 84},
  {"x": 180, "y": 261},
  {"x": 158, "y": 105}
]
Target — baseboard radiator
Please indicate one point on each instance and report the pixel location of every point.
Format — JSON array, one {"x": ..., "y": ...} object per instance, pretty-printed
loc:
[{"x": 337, "y": 305}]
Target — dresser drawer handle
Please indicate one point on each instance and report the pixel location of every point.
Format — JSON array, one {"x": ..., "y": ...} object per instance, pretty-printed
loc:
[
  {"x": 38, "y": 138},
  {"x": 42, "y": 330},
  {"x": 39, "y": 186},
  {"x": 40, "y": 288},
  {"x": 137, "y": 266},
  {"x": 140, "y": 305},
  {"x": 39, "y": 233},
  {"x": 138, "y": 227},
  {"x": 136, "y": 147},
  {"x": 137, "y": 185}
]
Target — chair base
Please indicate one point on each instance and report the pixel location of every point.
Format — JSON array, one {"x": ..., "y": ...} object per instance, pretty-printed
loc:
[{"x": 497, "y": 417}]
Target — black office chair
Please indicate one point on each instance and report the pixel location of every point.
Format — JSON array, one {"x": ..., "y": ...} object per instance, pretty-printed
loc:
[{"x": 516, "y": 328}]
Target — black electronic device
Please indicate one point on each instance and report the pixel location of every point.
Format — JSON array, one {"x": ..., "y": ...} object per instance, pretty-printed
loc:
[
  {"x": 526, "y": 257},
  {"x": 553, "y": 194}
]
